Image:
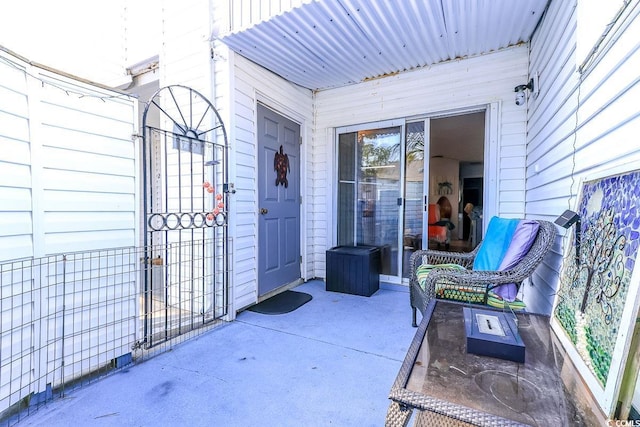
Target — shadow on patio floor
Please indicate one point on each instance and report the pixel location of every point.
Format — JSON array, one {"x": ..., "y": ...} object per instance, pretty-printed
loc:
[{"x": 330, "y": 362}]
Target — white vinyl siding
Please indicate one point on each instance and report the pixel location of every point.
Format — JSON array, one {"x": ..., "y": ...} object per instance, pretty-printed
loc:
[
  {"x": 186, "y": 50},
  {"x": 64, "y": 144},
  {"x": 68, "y": 179},
  {"x": 186, "y": 60},
  {"x": 467, "y": 83},
  {"x": 252, "y": 83},
  {"x": 87, "y": 151},
  {"x": 608, "y": 121},
  {"x": 191, "y": 58},
  {"x": 60, "y": 149},
  {"x": 15, "y": 169}
]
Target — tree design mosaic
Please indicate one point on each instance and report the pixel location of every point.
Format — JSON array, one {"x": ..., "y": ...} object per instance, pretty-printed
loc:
[{"x": 593, "y": 288}]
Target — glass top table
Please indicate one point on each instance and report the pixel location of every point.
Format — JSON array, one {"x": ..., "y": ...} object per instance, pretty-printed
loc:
[{"x": 454, "y": 387}]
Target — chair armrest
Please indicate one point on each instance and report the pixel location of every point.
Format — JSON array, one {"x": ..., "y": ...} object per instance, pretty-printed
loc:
[
  {"x": 469, "y": 278},
  {"x": 437, "y": 257},
  {"x": 434, "y": 257}
]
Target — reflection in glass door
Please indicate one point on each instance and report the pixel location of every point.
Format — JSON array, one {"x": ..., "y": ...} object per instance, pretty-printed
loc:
[
  {"x": 369, "y": 198},
  {"x": 414, "y": 192}
]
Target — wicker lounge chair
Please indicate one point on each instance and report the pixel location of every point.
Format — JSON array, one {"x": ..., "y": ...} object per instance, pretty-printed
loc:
[{"x": 480, "y": 282}]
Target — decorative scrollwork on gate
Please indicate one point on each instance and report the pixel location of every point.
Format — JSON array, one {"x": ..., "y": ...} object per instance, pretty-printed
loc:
[{"x": 185, "y": 220}]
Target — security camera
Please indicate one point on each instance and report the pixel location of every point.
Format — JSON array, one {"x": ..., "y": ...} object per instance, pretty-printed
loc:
[{"x": 519, "y": 90}]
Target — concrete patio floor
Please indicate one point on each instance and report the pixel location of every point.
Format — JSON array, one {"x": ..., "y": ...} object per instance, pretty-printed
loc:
[{"x": 330, "y": 362}]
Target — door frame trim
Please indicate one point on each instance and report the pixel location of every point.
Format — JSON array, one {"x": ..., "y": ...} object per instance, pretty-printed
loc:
[
  {"x": 491, "y": 145},
  {"x": 288, "y": 113},
  {"x": 401, "y": 123}
]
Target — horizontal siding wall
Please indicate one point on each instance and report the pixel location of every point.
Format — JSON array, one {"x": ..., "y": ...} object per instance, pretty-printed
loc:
[
  {"x": 608, "y": 120},
  {"x": 68, "y": 175},
  {"x": 473, "y": 82},
  {"x": 186, "y": 60},
  {"x": 87, "y": 153},
  {"x": 251, "y": 84},
  {"x": 186, "y": 50},
  {"x": 16, "y": 227}
]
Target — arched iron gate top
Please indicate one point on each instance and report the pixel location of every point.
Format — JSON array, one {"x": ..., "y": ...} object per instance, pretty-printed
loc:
[
  {"x": 194, "y": 127},
  {"x": 178, "y": 94},
  {"x": 186, "y": 200}
]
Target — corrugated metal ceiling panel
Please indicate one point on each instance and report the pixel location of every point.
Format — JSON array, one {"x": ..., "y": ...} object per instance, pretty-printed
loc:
[{"x": 332, "y": 43}]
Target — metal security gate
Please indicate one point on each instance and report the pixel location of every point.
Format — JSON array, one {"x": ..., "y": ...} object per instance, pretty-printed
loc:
[{"x": 186, "y": 199}]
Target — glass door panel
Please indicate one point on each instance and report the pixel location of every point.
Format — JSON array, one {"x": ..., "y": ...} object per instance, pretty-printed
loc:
[
  {"x": 370, "y": 192},
  {"x": 379, "y": 193},
  {"x": 347, "y": 184},
  {"x": 414, "y": 208}
]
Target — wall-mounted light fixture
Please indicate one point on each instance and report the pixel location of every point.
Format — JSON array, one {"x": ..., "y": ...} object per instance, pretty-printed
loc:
[
  {"x": 519, "y": 90},
  {"x": 566, "y": 220}
]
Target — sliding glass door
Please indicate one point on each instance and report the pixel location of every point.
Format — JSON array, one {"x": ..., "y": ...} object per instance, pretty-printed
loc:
[
  {"x": 415, "y": 200},
  {"x": 388, "y": 173},
  {"x": 370, "y": 191}
]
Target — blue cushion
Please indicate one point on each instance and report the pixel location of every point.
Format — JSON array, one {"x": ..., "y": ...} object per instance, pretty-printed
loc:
[{"x": 495, "y": 243}]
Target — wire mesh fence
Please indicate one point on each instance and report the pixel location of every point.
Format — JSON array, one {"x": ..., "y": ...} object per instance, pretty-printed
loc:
[{"x": 68, "y": 319}]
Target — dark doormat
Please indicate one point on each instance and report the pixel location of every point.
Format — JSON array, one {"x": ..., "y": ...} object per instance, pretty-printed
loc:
[{"x": 281, "y": 303}]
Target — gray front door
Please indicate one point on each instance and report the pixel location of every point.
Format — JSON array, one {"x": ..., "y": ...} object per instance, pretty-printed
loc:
[{"x": 279, "y": 200}]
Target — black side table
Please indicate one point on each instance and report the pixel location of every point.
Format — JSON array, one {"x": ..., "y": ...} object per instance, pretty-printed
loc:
[{"x": 353, "y": 270}]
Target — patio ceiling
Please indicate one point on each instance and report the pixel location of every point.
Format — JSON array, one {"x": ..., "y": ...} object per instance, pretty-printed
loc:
[{"x": 331, "y": 43}]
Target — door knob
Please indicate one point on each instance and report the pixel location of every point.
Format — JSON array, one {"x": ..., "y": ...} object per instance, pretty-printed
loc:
[{"x": 264, "y": 211}]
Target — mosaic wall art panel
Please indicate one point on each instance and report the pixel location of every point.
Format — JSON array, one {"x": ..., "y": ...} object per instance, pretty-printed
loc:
[{"x": 595, "y": 286}]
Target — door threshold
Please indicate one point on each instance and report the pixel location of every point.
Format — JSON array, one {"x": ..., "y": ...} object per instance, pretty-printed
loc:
[{"x": 281, "y": 289}]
